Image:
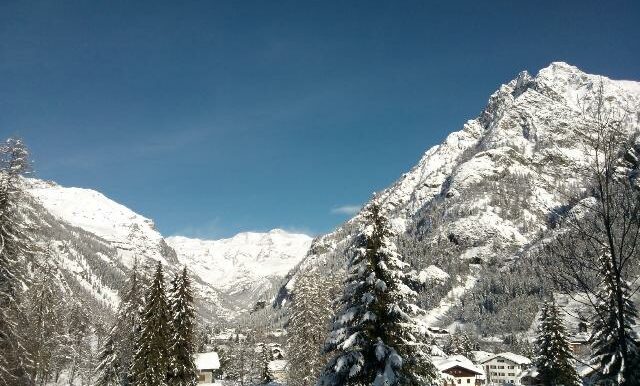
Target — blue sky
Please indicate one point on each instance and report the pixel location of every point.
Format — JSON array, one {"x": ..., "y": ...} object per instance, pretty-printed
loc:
[{"x": 215, "y": 117}]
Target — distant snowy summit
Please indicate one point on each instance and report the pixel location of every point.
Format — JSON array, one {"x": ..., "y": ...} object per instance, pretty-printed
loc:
[
  {"x": 248, "y": 257},
  {"x": 232, "y": 274}
]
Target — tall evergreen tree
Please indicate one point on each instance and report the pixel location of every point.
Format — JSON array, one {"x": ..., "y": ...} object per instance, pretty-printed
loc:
[
  {"x": 555, "y": 361},
  {"x": 607, "y": 345},
  {"x": 376, "y": 338},
  {"x": 459, "y": 343},
  {"x": 182, "y": 368},
  {"x": 118, "y": 349},
  {"x": 44, "y": 325},
  {"x": 151, "y": 360},
  {"x": 266, "y": 357},
  {"x": 311, "y": 312},
  {"x": 15, "y": 248}
]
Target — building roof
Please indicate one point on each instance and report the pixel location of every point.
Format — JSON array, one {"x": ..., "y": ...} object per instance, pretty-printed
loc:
[
  {"x": 515, "y": 358},
  {"x": 207, "y": 361},
  {"x": 457, "y": 361},
  {"x": 278, "y": 365},
  {"x": 480, "y": 356}
]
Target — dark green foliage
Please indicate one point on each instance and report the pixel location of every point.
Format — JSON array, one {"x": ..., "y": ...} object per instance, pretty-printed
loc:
[
  {"x": 118, "y": 350},
  {"x": 182, "y": 369},
  {"x": 151, "y": 360},
  {"x": 375, "y": 338},
  {"x": 554, "y": 359}
]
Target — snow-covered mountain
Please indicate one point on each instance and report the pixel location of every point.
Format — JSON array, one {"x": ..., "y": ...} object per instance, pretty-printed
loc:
[
  {"x": 231, "y": 275},
  {"x": 475, "y": 202},
  {"x": 246, "y": 266}
]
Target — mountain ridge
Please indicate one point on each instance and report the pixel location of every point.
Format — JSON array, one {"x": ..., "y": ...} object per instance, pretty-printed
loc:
[
  {"x": 129, "y": 236},
  {"x": 484, "y": 194}
]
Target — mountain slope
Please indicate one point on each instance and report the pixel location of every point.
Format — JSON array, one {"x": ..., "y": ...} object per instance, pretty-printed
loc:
[
  {"x": 96, "y": 241},
  {"x": 246, "y": 267},
  {"x": 473, "y": 203}
]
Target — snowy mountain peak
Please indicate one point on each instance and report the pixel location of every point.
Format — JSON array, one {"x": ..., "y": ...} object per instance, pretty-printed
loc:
[
  {"x": 248, "y": 257},
  {"x": 485, "y": 192},
  {"x": 231, "y": 274}
]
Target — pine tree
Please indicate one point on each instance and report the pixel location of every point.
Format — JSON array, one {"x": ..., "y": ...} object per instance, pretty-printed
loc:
[
  {"x": 44, "y": 322},
  {"x": 459, "y": 343},
  {"x": 266, "y": 357},
  {"x": 151, "y": 360},
  {"x": 311, "y": 312},
  {"x": 78, "y": 331},
  {"x": 15, "y": 248},
  {"x": 376, "y": 338},
  {"x": 607, "y": 344},
  {"x": 555, "y": 361},
  {"x": 118, "y": 349},
  {"x": 182, "y": 368}
]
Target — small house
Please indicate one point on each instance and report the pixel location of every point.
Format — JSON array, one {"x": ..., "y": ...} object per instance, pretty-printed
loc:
[
  {"x": 208, "y": 365},
  {"x": 459, "y": 370}
]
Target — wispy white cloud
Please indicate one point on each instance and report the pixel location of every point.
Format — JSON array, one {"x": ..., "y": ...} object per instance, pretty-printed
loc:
[{"x": 346, "y": 209}]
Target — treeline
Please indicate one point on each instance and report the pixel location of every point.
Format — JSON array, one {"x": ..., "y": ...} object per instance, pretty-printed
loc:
[
  {"x": 52, "y": 326},
  {"x": 153, "y": 340},
  {"x": 43, "y": 332}
]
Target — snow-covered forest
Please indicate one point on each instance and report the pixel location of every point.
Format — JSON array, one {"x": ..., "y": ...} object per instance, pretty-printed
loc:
[{"x": 508, "y": 255}]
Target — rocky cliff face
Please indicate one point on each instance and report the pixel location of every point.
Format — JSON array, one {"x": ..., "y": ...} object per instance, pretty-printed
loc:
[{"x": 485, "y": 194}]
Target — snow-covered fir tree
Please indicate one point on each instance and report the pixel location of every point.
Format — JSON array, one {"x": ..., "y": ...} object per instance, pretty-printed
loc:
[
  {"x": 265, "y": 358},
  {"x": 459, "y": 343},
  {"x": 44, "y": 326},
  {"x": 311, "y": 312},
  {"x": 151, "y": 360},
  {"x": 612, "y": 339},
  {"x": 79, "y": 332},
  {"x": 376, "y": 339},
  {"x": 118, "y": 349},
  {"x": 554, "y": 359},
  {"x": 15, "y": 248},
  {"x": 182, "y": 368}
]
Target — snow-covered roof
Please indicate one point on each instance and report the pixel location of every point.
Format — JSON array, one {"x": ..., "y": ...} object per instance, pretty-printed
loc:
[
  {"x": 481, "y": 356},
  {"x": 515, "y": 358},
  {"x": 207, "y": 361},
  {"x": 457, "y": 361},
  {"x": 277, "y": 365}
]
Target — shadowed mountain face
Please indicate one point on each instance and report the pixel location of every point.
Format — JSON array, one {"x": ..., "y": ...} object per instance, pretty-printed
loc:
[{"x": 474, "y": 203}]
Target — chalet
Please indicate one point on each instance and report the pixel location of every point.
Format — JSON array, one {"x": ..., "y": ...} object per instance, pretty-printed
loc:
[
  {"x": 208, "y": 365},
  {"x": 506, "y": 368},
  {"x": 458, "y": 370},
  {"x": 580, "y": 345},
  {"x": 278, "y": 370}
]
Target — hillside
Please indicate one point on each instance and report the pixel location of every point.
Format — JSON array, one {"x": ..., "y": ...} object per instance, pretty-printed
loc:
[
  {"x": 96, "y": 241},
  {"x": 473, "y": 204}
]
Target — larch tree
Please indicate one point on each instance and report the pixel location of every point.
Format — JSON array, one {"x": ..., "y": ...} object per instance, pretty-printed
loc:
[
  {"x": 554, "y": 359},
  {"x": 182, "y": 368},
  {"x": 118, "y": 349},
  {"x": 151, "y": 359},
  {"x": 44, "y": 322},
  {"x": 376, "y": 337},
  {"x": 311, "y": 312},
  {"x": 15, "y": 249}
]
